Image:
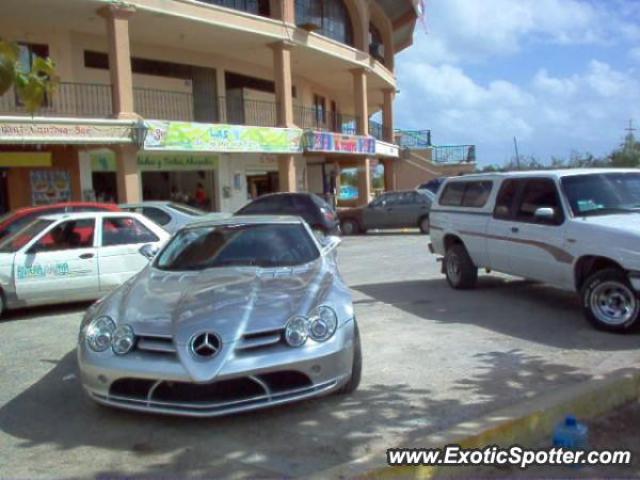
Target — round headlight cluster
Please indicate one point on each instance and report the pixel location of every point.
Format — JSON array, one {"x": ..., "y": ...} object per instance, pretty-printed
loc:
[
  {"x": 320, "y": 326},
  {"x": 102, "y": 333}
]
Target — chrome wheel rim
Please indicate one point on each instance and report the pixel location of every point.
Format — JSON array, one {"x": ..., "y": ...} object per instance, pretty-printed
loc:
[
  {"x": 613, "y": 303},
  {"x": 453, "y": 268},
  {"x": 348, "y": 228}
]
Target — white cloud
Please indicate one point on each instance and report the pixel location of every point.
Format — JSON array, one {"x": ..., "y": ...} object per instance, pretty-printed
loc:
[{"x": 550, "y": 113}]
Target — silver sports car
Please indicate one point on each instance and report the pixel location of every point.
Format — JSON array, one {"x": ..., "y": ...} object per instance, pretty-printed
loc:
[{"x": 231, "y": 315}]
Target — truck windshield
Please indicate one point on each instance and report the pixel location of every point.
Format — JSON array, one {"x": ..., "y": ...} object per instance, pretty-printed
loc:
[
  {"x": 19, "y": 239},
  {"x": 603, "y": 193},
  {"x": 260, "y": 245}
]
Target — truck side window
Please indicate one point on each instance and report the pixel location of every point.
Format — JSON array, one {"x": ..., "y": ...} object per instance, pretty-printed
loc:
[
  {"x": 506, "y": 197},
  {"x": 539, "y": 193},
  {"x": 476, "y": 194},
  {"x": 452, "y": 194}
]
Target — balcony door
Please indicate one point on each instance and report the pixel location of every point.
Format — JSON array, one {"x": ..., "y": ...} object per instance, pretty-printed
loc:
[{"x": 205, "y": 95}]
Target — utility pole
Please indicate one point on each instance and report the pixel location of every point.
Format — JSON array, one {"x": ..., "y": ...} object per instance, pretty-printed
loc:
[{"x": 515, "y": 143}]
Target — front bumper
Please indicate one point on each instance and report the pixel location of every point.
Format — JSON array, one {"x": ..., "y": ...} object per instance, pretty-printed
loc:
[{"x": 160, "y": 384}]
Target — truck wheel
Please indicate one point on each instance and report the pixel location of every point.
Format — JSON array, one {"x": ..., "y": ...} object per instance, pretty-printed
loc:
[
  {"x": 424, "y": 225},
  {"x": 349, "y": 227},
  {"x": 461, "y": 273},
  {"x": 356, "y": 369},
  {"x": 1, "y": 303},
  {"x": 609, "y": 302}
]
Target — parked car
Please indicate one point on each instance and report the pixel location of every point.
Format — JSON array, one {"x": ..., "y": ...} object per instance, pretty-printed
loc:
[
  {"x": 169, "y": 215},
  {"x": 73, "y": 257},
  {"x": 432, "y": 186},
  {"x": 14, "y": 221},
  {"x": 232, "y": 315},
  {"x": 314, "y": 210},
  {"x": 578, "y": 230},
  {"x": 390, "y": 210}
]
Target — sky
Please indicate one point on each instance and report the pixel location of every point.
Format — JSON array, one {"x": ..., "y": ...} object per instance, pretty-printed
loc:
[{"x": 562, "y": 76}]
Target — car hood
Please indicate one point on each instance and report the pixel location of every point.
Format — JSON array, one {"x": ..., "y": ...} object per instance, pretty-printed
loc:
[{"x": 625, "y": 222}]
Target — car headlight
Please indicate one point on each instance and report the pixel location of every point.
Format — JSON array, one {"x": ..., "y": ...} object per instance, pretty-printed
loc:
[
  {"x": 99, "y": 333},
  {"x": 323, "y": 322},
  {"x": 122, "y": 340},
  {"x": 297, "y": 331}
]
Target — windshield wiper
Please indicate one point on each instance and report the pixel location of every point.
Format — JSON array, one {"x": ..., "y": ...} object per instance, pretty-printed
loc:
[{"x": 609, "y": 210}]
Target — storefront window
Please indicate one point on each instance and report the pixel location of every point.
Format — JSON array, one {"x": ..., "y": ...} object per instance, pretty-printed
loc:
[{"x": 329, "y": 17}]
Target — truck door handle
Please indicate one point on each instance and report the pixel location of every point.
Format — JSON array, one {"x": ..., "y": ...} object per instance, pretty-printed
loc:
[
  {"x": 86, "y": 256},
  {"x": 515, "y": 229}
]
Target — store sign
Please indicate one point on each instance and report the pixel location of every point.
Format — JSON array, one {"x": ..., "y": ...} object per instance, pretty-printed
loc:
[
  {"x": 202, "y": 137},
  {"x": 67, "y": 132},
  {"x": 162, "y": 162},
  {"x": 330, "y": 142},
  {"x": 50, "y": 186},
  {"x": 25, "y": 159},
  {"x": 384, "y": 149}
]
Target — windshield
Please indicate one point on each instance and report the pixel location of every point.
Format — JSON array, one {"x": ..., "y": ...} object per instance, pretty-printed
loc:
[
  {"x": 266, "y": 245},
  {"x": 603, "y": 193},
  {"x": 19, "y": 239},
  {"x": 187, "y": 210}
]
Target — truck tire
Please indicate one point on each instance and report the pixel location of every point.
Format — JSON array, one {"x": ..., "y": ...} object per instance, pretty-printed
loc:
[
  {"x": 461, "y": 273},
  {"x": 349, "y": 227},
  {"x": 424, "y": 224},
  {"x": 356, "y": 369},
  {"x": 1, "y": 303},
  {"x": 609, "y": 302}
]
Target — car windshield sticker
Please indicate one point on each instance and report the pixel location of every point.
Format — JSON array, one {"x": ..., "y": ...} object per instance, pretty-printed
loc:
[{"x": 588, "y": 205}]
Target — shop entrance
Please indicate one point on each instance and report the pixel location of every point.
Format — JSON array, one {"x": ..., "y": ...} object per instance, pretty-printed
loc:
[
  {"x": 4, "y": 192},
  {"x": 194, "y": 188},
  {"x": 105, "y": 186},
  {"x": 258, "y": 185}
]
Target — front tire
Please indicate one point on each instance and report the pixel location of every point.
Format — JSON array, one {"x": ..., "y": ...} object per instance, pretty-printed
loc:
[
  {"x": 424, "y": 225},
  {"x": 609, "y": 302},
  {"x": 349, "y": 227},
  {"x": 356, "y": 368},
  {"x": 461, "y": 273}
]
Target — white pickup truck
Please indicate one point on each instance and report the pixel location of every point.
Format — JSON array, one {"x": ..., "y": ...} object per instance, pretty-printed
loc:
[{"x": 576, "y": 229}]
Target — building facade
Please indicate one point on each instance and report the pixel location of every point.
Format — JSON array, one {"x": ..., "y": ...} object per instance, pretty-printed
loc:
[{"x": 159, "y": 98}]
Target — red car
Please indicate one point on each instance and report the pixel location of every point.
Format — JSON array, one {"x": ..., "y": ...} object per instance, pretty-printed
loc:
[{"x": 14, "y": 221}]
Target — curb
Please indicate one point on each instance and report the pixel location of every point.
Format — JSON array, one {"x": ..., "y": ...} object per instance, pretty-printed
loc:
[{"x": 524, "y": 424}]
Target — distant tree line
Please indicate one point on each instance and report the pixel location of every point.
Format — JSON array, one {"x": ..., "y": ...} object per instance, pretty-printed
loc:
[{"x": 626, "y": 156}]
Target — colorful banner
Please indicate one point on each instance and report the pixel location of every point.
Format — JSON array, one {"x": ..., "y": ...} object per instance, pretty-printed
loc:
[
  {"x": 201, "y": 137},
  {"x": 66, "y": 132},
  {"x": 105, "y": 161},
  {"x": 50, "y": 186},
  {"x": 330, "y": 142}
]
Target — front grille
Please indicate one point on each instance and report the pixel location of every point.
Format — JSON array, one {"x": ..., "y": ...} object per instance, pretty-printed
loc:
[
  {"x": 260, "y": 340},
  {"x": 216, "y": 397},
  {"x": 162, "y": 344}
]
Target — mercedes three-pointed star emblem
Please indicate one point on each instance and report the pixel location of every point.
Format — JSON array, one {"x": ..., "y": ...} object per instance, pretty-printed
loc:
[{"x": 205, "y": 345}]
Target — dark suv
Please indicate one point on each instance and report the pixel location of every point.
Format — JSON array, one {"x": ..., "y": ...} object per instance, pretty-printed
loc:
[{"x": 313, "y": 209}]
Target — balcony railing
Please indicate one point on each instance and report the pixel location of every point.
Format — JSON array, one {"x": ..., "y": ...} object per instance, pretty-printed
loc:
[
  {"x": 69, "y": 100},
  {"x": 379, "y": 131},
  {"x": 310, "y": 117},
  {"x": 413, "y": 138},
  {"x": 454, "y": 154}
]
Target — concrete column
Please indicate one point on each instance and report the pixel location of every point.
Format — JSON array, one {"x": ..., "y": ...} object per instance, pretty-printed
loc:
[
  {"x": 364, "y": 181},
  {"x": 287, "y": 176},
  {"x": 387, "y": 114},
  {"x": 284, "y": 10},
  {"x": 360, "y": 100},
  {"x": 128, "y": 174},
  {"x": 390, "y": 182},
  {"x": 283, "y": 83},
  {"x": 117, "y": 20}
]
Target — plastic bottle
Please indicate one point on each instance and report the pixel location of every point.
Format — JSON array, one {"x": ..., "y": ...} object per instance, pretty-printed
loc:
[{"x": 571, "y": 434}]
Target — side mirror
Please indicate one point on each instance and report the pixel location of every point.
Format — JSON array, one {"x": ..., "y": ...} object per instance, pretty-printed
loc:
[
  {"x": 329, "y": 244},
  {"x": 149, "y": 250},
  {"x": 545, "y": 213}
]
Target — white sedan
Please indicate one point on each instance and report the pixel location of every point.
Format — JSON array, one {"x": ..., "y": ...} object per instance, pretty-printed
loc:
[{"x": 74, "y": 257}]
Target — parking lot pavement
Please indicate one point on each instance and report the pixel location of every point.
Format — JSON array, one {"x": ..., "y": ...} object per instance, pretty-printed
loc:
[{"x": 432, "y": 357}]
